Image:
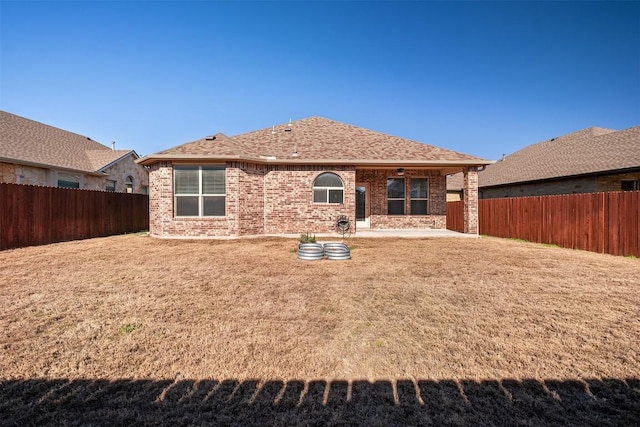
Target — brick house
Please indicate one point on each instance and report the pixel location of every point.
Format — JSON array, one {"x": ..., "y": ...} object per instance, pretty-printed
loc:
[
  {"x": 586, "y": 161},
  {"x": 299, "y": 177},
  {"x": 38, "y": 154}
]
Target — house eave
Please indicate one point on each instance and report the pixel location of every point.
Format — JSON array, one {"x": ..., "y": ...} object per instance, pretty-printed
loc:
[
  {"x": 50, "y": 167},
  {"x": 365, "y": 163},
  {"x": 124, "y": 156},
  {"x": 563, "y": 177}
]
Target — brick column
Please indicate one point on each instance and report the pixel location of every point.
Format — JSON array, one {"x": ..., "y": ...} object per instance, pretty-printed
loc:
[
  {"x": 160, "y": 198},
  {"x": 470, "y": 191}
]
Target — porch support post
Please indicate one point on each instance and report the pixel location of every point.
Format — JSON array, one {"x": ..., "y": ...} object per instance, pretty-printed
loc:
[{"x": 470, "y": 191}]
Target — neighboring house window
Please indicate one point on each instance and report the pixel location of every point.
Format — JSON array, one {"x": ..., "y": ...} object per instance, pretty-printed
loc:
[
  {"x": 129, "y": 184},
  {"x": 418, "y": 195},
  {"x": 144, "y": 189},
  {"x": 328, "y": 188},
  {"x": 199, "y": 190},
  {"x": 629, "y": 185},
  {"x": 395, "y": 196},
  {"x": 66, "y": 180},
  {"x": 110, "y": 185}
]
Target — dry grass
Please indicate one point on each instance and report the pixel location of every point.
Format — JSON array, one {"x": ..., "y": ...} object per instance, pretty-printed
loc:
[{"x": 460, "y": 311}]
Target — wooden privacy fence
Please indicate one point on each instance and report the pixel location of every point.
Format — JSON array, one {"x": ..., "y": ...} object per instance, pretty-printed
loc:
[
  {"x": 455, "y": 216},
  {"x": 598, "y": 222},
  {"x": 31, "y": 215}
]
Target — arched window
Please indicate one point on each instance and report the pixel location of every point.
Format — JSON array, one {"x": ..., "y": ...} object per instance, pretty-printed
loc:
[
  {"x": 328, "y": 188},
  {"x": 129, "y": 184}
]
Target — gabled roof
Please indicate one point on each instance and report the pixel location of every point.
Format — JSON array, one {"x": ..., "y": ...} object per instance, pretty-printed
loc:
[
  {"x": 589, "y": 151},
  {"x": 29, "y": 142},
  {"x": 315, "y": 140}
]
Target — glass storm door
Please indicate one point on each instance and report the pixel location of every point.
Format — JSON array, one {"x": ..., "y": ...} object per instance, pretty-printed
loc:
[{"x": 361, "y": 203}]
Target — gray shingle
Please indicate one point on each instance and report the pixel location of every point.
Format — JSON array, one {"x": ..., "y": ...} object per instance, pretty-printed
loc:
[
  {"x": 589, "y": 151},
  {"x": 27, "y": 141},
  {"x": 315, "y": 139}
]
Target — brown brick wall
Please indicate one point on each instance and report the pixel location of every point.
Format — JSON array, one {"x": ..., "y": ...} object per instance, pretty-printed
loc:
[
  {"x": 161, "y": 219},
  {"x": 275, "y": 199},
  {"x": 614, "y": 182},
  {"x": 470, "y": 197},
  {"x": 437, "y": 203},
  {"x": 289, "y": 206},
  {"x": 251, "y": 197},
  {"x": 259, "y": 199}
]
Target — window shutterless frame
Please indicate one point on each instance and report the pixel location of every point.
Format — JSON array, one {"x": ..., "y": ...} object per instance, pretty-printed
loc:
[
  {"x": 67, "y": 180},
  {"x": 110, "y": 185},
  {"x": 395, "y": 196},
  {"x": 199, "y": 191},
  {"x": 419, "y": 196},
  {"x": 129, "y": 184},
  {"x": 328, "y": 188}
]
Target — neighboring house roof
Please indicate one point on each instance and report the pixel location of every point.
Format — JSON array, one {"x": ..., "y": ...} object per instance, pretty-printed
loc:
[
  {"x": 29, "y": 142},
  {"x": 316, "y": 140},
  {"x": 589, "y": 151}
]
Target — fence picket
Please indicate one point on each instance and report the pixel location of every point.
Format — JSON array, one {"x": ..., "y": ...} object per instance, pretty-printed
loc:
[
  {"x": 31, "y": 215},
  {"x": 598, "y": 222}
]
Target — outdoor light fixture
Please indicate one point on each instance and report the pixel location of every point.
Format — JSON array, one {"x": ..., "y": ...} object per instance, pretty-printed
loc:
[{"x": 400, "y": 171}]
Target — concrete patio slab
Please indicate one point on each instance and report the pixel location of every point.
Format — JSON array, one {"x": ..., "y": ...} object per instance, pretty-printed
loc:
[
  {"x": 411, "y": 233},
  {"x": 377, "y": 233},
  {"x": 362, "y": 233}
]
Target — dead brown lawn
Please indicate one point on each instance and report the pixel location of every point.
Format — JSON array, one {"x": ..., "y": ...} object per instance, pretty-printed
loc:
[{"x": 417, "y": 309}]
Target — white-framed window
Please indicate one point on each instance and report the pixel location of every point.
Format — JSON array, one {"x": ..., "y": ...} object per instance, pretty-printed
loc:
[
  {"x": 110, "y": 185},
  {"x": 67, "y": 180},
  {"x": 419, "y": 195},
  {"x": 395, "y": 196},
  {"x": 129, "y": 184},
  {"x": 328, "y": 188},
  {"x": 199, "y": 190}
]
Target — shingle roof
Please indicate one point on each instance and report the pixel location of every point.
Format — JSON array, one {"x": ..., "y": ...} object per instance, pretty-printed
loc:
[
  {"x": 27, "y": 141},
  {"x": 216, "y": 145},
  {"x": 315, "y": 140},
  {"x": 589, "y": 151}
]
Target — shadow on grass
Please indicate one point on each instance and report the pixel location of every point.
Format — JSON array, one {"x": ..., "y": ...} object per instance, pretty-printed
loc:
[{"x": 593, "y": 402}]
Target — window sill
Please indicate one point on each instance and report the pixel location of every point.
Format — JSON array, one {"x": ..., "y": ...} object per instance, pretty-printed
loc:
[
  {"x": 198, "y": 218},
  {"x": 407, "y": 215}
]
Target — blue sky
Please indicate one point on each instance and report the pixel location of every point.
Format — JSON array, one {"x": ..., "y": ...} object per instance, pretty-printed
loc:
[{"x": 484, "y": 78}]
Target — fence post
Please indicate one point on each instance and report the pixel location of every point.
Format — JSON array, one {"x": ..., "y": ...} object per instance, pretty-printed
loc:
[
  {"x": 598, "y": 222},
  {"x": 31, "y": 215}
]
